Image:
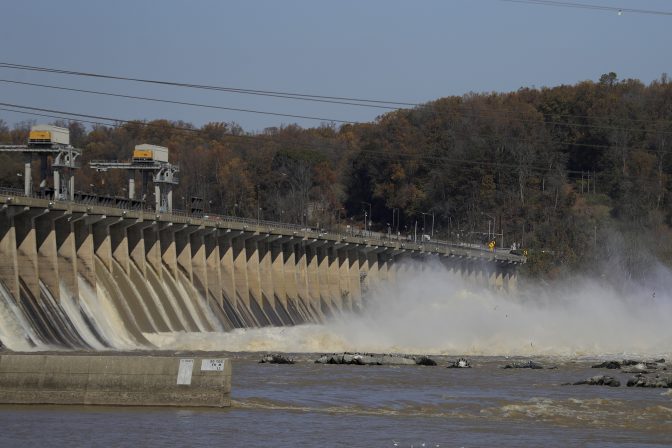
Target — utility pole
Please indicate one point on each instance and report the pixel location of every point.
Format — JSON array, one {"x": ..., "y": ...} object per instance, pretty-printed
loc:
[
  {"x": 370, "y": 218},
  {"x": 493, "y": 219},
  {"x": 594, "y": 183},
  {"x": 595, "y": 235},
  {"x": 423, "y": 223}
]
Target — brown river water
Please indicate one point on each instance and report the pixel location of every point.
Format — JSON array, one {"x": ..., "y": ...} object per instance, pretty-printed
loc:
[
  {"x": 432, "y": 312},
  {"x": 309, "y": 404}
]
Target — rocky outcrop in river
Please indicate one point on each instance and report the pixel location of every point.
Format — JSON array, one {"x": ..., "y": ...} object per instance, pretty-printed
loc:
[
  {"x": 461, "y": 363},
  {"x": 630, "y": 363},
  {"x": 276, "y": 359},
  {"x": 659, "y": 380},
  {"x": 368, "y": 359},
  {"x": 523, "y": 365},
  {"x": 599, "y": 380}
]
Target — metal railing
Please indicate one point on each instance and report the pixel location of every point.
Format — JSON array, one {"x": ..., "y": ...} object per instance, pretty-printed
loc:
[{"x": 366, "y": 237}]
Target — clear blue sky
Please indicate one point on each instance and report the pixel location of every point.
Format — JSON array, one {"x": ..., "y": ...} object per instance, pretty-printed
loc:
[{"x": 411, "y": 51}]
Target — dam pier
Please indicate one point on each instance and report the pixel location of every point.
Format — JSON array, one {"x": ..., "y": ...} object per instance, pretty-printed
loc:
[{"x": 163, "y": 272}]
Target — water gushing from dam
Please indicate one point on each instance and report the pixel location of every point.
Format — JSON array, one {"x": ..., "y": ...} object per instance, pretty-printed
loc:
[
  {"x": 437, "y": 312},
  {"x": 117, "y": 315},
  {"x": 427, "y": 309},
  {"x": 75, "y": 277}
]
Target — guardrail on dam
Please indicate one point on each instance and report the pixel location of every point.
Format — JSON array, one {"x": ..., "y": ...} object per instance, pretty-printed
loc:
[{"x": 83, "y": 276}]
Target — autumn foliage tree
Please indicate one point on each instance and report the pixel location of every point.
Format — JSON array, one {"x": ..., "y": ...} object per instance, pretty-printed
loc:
[{"x": 558, "y": 171}]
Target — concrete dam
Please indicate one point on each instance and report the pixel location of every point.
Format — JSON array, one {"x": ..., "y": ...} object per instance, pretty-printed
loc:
[{"x": 81, "y": 276}]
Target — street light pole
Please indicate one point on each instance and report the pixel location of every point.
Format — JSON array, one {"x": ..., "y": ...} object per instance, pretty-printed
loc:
[
  {"x": 494, "y": 225},
  {"x": 423, "y": 222},
  {"x": 369, "y": 215},
  {"x": 258, "y": 206}
]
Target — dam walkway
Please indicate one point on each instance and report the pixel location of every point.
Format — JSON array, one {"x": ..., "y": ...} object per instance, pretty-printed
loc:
[{"x": 76, "y": 275}]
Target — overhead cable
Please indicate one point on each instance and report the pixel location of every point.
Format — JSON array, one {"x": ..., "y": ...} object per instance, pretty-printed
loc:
[
  {"x": 484, "y": 114},
  {"x": 183, "y": 103},
  {"x": 287, "y": 95},
  {"x": 116, "y": 122},
  {"x": 616, "y": 9}
]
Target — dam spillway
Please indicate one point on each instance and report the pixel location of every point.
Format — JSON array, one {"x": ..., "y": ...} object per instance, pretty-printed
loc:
[{"x": 91, "y": 277}]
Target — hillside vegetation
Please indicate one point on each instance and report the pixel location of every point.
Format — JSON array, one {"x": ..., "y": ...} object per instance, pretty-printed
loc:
[{"x": 577, "y": 174}]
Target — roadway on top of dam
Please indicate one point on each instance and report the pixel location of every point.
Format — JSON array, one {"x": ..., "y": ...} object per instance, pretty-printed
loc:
[{"x": 15, "y": 198}]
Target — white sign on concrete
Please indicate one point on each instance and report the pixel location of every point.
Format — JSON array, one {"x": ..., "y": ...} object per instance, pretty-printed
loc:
[
  {"x": 216, "y": 365},
  {"x": 184, "y": 372}
]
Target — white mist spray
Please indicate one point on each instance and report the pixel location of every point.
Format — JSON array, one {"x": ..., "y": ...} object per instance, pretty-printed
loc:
[{"x": 434, "y": 311}]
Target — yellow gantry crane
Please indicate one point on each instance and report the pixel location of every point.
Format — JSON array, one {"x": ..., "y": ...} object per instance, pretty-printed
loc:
[
  {"x": 43, "y": 141},
  {"x": 152, "y": 162}
]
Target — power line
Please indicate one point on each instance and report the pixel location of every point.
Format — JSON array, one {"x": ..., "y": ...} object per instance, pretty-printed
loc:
[
  {"x": 365, "y": 152},
  {"x": 116, "y": 123},
  {"x": 590, "y": 6},
  {"x": 516, "y": 140},
  {"x": 439, "y": 162},
  {"x": 486, "y": 114},
  {"x": 183, "y": 103},
  {"x": 298, "y": 96},
  {"x": 498, "y": 138},
  {"x": 361, "y": 102}
]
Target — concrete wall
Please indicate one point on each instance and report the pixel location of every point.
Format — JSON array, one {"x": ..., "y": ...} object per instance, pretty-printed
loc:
[
  {"x": 115, "y": 380},
  {"x": 169, "y": 273}
]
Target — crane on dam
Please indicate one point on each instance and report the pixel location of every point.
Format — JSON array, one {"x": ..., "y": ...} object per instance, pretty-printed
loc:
[
  {"x": 45, "y": 141},
  {"x": 151, "y": 161}
]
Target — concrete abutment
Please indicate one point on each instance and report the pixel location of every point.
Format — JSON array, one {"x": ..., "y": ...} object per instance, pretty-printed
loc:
[{"x": 168, "y": 273}]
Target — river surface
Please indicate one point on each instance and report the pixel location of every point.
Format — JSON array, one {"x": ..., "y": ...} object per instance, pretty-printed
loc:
[{"x": 309, "y": 404}]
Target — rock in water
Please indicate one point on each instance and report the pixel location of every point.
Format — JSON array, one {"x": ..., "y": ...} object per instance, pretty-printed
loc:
[
  {"x": 276, "y": 359},
  {"x": 461, "y": 363},
  {"x": 424, "y": 361},
  {"x": 523, "y": 365},
  {"x": 630, "y": 362},
  {"x": 368, "y": 359},
  {"x": 643, "y": 367},
  {"x": 608, "y": 365},
  {"x": 600, "y": 380},
  {"x": 631, "y": 365},
  {"x": 664, "y": 380}
]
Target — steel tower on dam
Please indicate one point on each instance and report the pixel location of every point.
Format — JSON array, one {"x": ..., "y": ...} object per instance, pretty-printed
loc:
[{"x": 160, "y": 272}]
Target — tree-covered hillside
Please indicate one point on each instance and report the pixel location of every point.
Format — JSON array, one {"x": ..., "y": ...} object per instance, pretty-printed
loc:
[{"x": 578, "y": 175}]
